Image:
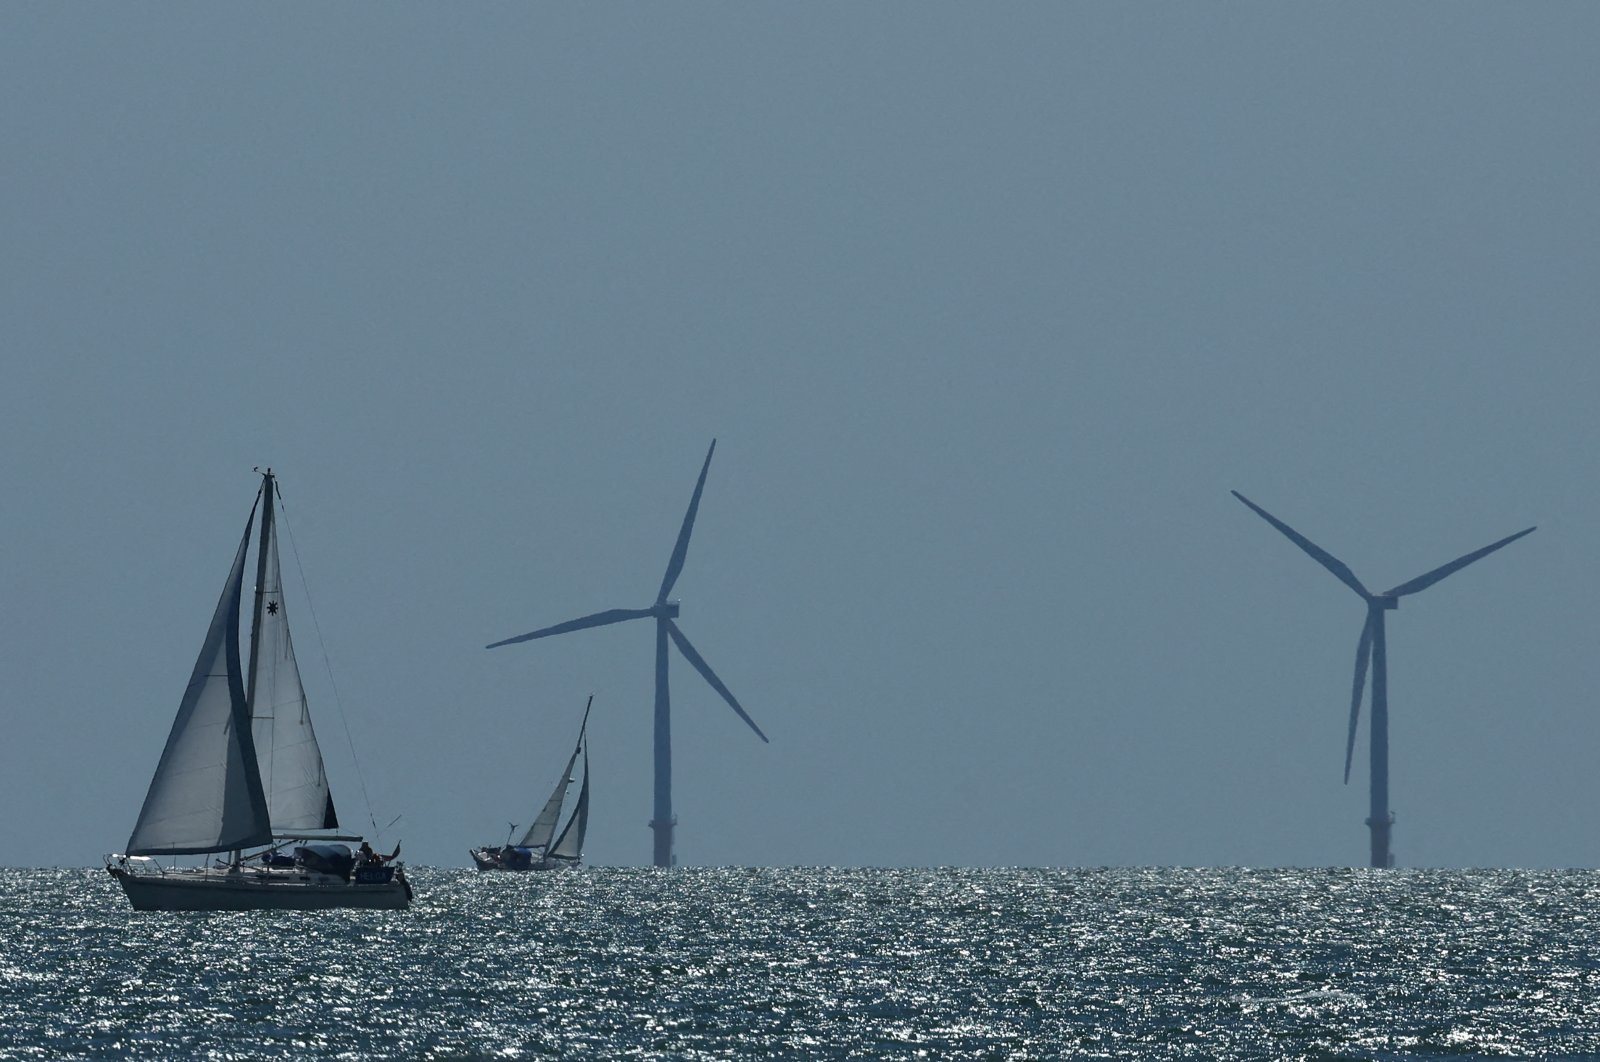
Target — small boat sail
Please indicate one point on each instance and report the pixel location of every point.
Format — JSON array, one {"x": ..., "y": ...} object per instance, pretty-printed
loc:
[
  {"x": 541, "y": 848},
  {"x": 242, "y": 774}
]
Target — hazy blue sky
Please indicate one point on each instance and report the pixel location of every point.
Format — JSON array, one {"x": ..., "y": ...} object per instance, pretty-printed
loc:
[{"x": 988, "y": 308}]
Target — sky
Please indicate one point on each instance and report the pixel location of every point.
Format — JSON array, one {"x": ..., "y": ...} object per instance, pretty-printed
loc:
[{"x": 988, "y": 309}]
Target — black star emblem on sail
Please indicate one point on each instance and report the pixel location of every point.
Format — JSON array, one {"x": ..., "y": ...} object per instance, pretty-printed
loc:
[{"x": 272, "y": 608}]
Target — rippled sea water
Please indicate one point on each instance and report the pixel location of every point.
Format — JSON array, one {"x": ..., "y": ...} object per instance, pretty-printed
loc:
[{"x": 806, "y": 963}]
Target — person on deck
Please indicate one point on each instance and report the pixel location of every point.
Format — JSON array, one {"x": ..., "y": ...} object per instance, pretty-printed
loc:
[{"x": 369, "y": 858}]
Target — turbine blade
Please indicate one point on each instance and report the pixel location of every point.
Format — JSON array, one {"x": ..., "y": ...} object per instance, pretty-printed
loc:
[
  {"x": 681, "y": 550},
  {"x": 710, "y": 676},
  {"x": 1422, "y": 582},
  {"x": 599, "y": 619},
  {"x": 1317, "y": 553},
  {"x": 1363, "y": 652}
]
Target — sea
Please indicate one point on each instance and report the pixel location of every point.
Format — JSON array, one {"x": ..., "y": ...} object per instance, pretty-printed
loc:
[{"x": 804, "y": 963}]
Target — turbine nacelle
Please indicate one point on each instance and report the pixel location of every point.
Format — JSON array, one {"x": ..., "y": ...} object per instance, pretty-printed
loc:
[
  {"x": 664, "y": 610},
  {"x": 1388, "y": 604}
]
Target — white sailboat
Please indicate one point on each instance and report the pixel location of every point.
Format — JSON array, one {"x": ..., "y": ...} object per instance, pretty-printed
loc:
[
  {"x": 541, "y": 848},
  {"x": 242, "y": 774}
]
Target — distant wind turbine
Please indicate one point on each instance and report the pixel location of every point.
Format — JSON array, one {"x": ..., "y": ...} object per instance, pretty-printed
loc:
[
  {"x": 664, "y": 612},
  {"x": 1381, "y": 819}
]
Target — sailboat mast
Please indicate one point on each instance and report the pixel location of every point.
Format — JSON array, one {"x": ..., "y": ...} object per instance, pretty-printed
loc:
[{"x": 261, "y": 590}]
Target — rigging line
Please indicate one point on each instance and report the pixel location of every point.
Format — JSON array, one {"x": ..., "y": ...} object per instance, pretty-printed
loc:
[{"x": 305, "y": 587}]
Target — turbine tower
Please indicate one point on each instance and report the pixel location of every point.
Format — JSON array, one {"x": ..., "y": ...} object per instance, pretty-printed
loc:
[
  {"x": 663, "y": 612},
  {"x": 1373, "y": 646}
]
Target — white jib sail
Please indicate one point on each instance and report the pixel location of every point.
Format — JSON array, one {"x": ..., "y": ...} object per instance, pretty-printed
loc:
[
  {"x": 544, "y": 827},
  {"x": 286, "y": 746},
  {"x": 570, "y": 844},
  {"x": 206, "y": 794}
]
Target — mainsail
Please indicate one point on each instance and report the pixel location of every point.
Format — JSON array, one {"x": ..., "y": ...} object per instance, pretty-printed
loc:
[
  {"x": 286, "y": 746},
  {"x": 544, "y": 827},
  {"x": 206, "y": 795},
  {"x": 570, "y": 844}
]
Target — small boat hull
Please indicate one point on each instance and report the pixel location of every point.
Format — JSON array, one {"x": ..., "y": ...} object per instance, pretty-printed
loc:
[
  {"x": 489, "y": 859},
  {"x": 210, "y": 890}
]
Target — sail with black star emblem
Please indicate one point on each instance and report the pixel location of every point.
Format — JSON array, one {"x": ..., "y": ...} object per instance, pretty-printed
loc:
[{"x": 286, "y": 745}]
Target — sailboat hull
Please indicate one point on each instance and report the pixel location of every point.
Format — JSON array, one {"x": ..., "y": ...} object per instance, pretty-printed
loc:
[
  {"x": 213, "y": 890},
  {"x": 489, "y": 859}
]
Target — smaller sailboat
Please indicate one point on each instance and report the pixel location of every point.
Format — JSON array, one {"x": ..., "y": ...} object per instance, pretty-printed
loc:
[
  {"x": 541, "y": 847},
  {"x": 242, "y": 776}
]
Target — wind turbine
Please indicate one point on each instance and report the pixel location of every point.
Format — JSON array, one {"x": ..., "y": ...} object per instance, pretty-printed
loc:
[
  {"x": 1381, "y": 819},
  {"x": 663, "y": 612}
]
